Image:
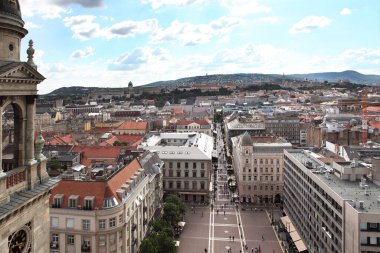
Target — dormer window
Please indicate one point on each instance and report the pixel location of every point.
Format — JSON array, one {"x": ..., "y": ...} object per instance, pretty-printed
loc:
[
  {"x": 73, "y": 201},
  {"x": 89, "y": 203},
  {"x": 57, "y": 201}
]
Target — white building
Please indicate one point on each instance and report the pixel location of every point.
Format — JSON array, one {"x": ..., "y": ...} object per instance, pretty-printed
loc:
[{"x": 187, "y": 157}]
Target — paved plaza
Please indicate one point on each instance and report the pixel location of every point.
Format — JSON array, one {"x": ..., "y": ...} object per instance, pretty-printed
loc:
[{"x": 212, "y": 231}]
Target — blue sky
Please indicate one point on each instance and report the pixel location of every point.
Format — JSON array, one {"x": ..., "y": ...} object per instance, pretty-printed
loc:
[{"x": 110, "y": 42}]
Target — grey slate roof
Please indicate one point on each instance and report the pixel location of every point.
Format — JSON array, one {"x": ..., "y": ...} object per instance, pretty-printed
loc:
[{"x": 22, "y": 198}]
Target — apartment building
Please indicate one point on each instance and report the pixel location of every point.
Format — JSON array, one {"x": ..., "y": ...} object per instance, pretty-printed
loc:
[
  {"x": 259, "y": 169},
  {"x": 187, "y": 158},
  {"x": 107, "y": 210},
  {"x": 334, "y": 208}
]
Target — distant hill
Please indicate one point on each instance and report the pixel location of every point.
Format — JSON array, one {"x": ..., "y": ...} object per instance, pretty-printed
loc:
[
  {"x": 240, "y": 80},
  {"x": 350, "y": 75},
  {"x": 74, "y": 90}
]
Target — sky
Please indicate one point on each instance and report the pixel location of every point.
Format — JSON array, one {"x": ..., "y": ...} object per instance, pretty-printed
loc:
[{"x": 108, "y": 43}]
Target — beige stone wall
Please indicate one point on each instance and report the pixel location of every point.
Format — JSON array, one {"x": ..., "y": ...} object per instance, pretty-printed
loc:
[
  {"x": 38, "y": 214},
  {"x": 6, "y": 39}
]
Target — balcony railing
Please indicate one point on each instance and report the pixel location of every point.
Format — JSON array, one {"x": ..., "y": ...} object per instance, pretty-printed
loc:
[{"x": 54, "y": 245}]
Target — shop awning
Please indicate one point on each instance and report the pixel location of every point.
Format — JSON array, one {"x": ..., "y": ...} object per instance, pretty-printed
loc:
[{"x": 296, "y": 238}]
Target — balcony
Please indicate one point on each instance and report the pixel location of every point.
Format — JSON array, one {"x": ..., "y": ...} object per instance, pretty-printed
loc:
[
  {"x": 86, "y": 248},
  {"x": 54, "y": 245}
]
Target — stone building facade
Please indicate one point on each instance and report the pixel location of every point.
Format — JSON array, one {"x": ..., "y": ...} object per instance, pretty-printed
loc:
[
  {"x": 259, "y": 169},
  {"x": 24, "y": 183}
]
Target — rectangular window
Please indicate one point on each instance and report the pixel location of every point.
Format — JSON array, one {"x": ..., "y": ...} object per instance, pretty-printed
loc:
[
  {"x": 170, "y": 184},
  {"x": 178, "y": 185},
  {"x": 70, "y": 223},
  {"x": 73, "y": 201},
  {"x": 54, "y": 222},
  {"x": 202, "y": 185},
  {"x": 202, "y": 174},
  {"x": 186, "y": 165},
  {"x": 246, "y": 161},
  {"x": 202, "y": 166},
  {"x": 55, "y": 238},
  {"x": 186, "y": 184},
  {"x": 178, "y": 173},
  {"x": 112, "y": 222},
  {"x": 86, "y": 224},
  {"x": 102, "y": 240},
  {"x": 170, "y": 173},
  {"x": 102, "y": 224},
  {"x": 194, "y": 185},
  {"x": 57, "y": 202},
  {"x": 249, "y": 178},
  {"x": 170, "y": 165},
  {"x": 120, "y": 219},
  {"x": 186, "y": 173},
  {"x": 88, "y": 202},
  {"x": 70, "y": 239},
  {"x": 178, "y": 165},
  {"x": 243, "y": 178},
  {"x": 194, "y": 173},
  {"x": 194, "y": 165}
]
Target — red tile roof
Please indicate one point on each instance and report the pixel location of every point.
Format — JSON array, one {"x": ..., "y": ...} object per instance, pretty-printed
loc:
[
  {"x": 374, "y": 124},
  {"x": 89, "y": 153},
  {"x": 129, "y": 125},
  {"x": 99, "y": 189},
  {"x": 132, "y": 139},
  {"x": 64, "y": 140}
]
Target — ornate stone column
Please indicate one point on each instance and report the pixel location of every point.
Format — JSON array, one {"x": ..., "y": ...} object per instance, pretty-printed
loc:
[
  {"x": 29, "y": 144},
  {"x": 1, "y": 140},
  {"x": 2, "y": 100}
]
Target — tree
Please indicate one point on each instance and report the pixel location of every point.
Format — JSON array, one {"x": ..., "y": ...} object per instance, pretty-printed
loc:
[
  {"x": 172, "y": 214},
  {"x": 171, "y": 198},
  {"x": 148, "y": 245},
  {"x": 130, "y": 84},
  {"x": 117, "y": 143},
  {"x": 54, "y": 164}
]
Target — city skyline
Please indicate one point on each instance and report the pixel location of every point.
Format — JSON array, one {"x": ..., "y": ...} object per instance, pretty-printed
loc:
[{"x": 108, "y": 43}]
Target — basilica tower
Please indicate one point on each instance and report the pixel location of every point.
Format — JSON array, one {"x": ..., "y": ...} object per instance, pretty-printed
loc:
[{"x": 24, "y": 183}]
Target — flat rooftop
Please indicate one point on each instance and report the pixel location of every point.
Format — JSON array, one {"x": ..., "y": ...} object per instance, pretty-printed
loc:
[{"x": 347, "y": 190}]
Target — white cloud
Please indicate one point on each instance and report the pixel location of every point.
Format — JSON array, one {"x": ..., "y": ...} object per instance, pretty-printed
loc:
[
  {"x": 192, "y": 34},
  {"x": 89, "y": 51},
  {"x": 361, "y": 55},
  {"x": 84, "y": 27},
  {"x": 54, "y": 9},
  {"x": 31, "y": 25},
  {"x": 130, "y": 28},
  {"x": 139, "y": 57},
  {"x": 180, "y": 3},
  {"x": 345, "y": 11},
  {"x": 267, "y": 20},
  {"x": 309, "y": 23},
  {"x": 245, "y": 7}
]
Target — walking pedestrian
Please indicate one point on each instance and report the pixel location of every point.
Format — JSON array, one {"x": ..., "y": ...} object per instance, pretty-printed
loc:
[
  {"x": 230, "y": 238},
  {"x": 224, "y": 213},
  {"x": 252, "y": 250},
  {"x": 262, "y": 238},
  {"x": 233, "y": 238},
  {"x": 239, "y": 224}
]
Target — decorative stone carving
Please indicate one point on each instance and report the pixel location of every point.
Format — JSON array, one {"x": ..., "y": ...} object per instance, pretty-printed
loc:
[{"x": 38, "y": 146}]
